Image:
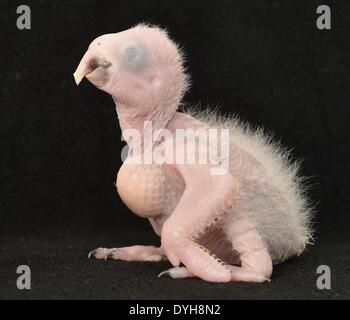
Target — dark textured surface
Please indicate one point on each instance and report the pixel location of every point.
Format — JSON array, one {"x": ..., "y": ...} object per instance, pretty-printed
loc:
[
  {"x": 61, "y": 270},
  {"x": 60, "y": 145}
]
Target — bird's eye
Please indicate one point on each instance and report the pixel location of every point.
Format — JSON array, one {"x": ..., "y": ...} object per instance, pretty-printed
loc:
[
  {"x": 136, "y": 58},
  {"x": 131, "y": 54}
]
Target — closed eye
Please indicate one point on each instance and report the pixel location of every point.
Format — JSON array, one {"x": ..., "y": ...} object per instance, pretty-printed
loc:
[
  {"x": 136, "y": 58},
  {"x": 131, "y": 54}
]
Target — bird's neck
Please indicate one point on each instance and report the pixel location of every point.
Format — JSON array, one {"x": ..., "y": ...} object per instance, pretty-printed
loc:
[{"x": 144, "y": 124}]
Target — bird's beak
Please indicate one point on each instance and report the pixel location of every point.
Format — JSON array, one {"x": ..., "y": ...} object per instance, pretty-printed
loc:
[
  {"x": 84, "y": 68},
  {"x": 88, "y": 66}
]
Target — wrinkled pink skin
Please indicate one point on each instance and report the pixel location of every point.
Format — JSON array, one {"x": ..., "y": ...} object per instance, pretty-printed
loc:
[{"x": 179, "y": 200}]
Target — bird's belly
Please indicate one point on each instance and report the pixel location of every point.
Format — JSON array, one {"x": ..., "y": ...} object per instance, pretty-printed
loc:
[{"x": 146, "y": 190}]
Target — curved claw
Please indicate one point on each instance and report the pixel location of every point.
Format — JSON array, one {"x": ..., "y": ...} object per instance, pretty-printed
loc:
[
  {"x": 164, "y": 273},
  {"x": 177, "y": 273},
  {"x": 92, "y": 253}
]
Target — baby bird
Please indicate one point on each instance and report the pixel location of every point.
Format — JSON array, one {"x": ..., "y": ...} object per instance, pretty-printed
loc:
[{"x": 220, "y": 226}]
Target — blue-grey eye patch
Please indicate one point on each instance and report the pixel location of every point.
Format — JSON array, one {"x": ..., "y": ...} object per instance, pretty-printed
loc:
[{"x": 136, "y": 57}]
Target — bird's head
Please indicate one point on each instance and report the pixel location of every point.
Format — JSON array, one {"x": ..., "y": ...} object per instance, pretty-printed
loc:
[{"x": 141, "y": 68}]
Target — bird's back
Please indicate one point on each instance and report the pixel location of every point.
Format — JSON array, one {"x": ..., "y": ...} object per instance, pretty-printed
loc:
[{"x": 272, "y": 194}]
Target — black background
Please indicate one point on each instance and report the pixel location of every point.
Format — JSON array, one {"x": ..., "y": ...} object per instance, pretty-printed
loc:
[{"x": 264, "y": 60}]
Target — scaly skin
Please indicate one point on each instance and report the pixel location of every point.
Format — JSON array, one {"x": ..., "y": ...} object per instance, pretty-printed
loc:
[{"x": 199, "y": 216}]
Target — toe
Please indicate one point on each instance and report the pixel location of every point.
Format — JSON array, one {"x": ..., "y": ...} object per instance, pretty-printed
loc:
[
  {"x": 92, "y": 253},
  {"x": 99, "y": 253},
  {"x": 154, "y": 257}
]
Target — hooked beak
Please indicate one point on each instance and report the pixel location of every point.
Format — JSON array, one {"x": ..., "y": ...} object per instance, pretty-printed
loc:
[
  {"x": 87, "y": 65},
  {"x": 83, "y": 69}
]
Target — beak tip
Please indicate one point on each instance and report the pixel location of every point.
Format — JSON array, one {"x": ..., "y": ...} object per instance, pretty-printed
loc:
[{"x": 77, "y": 78}]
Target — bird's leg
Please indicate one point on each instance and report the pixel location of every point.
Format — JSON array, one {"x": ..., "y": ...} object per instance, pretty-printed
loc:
[
  {"x": 192, "y": 216},
  {"x": 134, "y": 253},
  {"x": 256, "y": 264}
]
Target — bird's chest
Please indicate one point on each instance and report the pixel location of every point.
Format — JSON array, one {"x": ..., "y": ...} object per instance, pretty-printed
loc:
[{"x": 147, "y": 190}]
